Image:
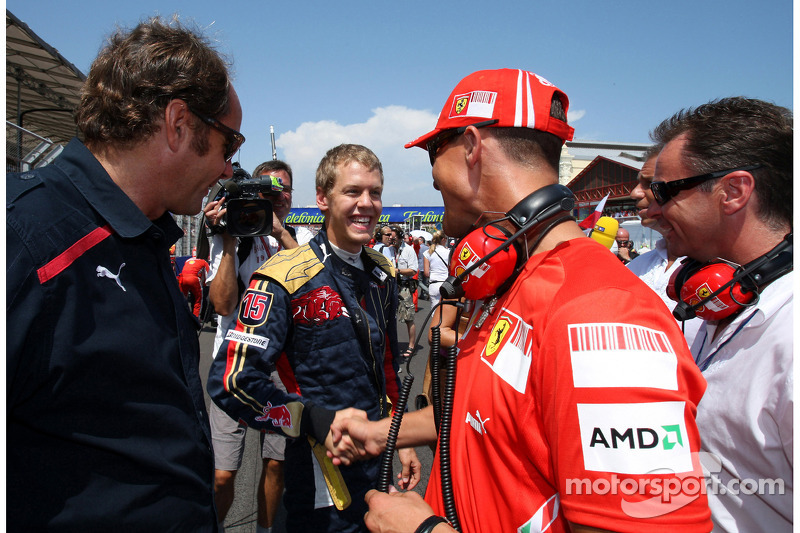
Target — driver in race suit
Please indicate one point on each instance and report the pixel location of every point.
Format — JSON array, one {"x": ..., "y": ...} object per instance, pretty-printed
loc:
[{"x": 330, "y": 330}]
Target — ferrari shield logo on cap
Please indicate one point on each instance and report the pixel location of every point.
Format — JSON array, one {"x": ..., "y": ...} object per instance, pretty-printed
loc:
[
  {"x": 474, "y": 104},
  {"x": 460, "y": 104}
]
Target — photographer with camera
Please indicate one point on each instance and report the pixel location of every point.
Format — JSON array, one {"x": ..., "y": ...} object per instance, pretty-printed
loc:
[
  {"x": 625, "y": 251},
  {"x": 233, "y": 260}
]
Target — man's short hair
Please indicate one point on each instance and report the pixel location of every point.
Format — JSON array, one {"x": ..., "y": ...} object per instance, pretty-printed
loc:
[
  {"x": 652, "y": 152},
  {"x": 735, "y": 132},
  {"x": 344, "y": 154},
  {"x": 274, "y": 165},
  {"x": 139, "y": 72},
  {"x": 527, "y": 146}
]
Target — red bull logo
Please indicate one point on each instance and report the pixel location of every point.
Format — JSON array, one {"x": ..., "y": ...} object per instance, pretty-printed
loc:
[
  {"x": 318, "y": 306},
  {"x": 279, "y": 415}
]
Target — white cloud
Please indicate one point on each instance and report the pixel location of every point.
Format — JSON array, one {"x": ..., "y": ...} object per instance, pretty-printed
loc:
[
  {"x": 407, "y": 173},
  {"x": 575, "y": 115}
]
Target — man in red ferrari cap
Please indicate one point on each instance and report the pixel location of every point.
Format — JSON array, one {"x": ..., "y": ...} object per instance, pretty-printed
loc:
[{"x": 575, "y": 393}]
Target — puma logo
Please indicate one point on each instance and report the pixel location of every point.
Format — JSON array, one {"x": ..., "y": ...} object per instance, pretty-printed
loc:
[{"x": 103, "y": 272}]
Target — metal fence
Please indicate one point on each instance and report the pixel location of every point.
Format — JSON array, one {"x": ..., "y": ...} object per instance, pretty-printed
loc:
[{"x": 26, "y": 150}]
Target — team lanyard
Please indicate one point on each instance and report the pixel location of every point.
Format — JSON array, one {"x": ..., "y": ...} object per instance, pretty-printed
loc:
[{"x": 707, "y": 361}]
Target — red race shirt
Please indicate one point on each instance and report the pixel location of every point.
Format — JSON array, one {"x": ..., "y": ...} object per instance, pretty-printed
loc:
[{"x": 575, "y": 401}]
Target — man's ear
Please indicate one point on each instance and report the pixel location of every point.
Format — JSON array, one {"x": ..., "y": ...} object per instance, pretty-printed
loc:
[
  {"x": 322, "y": 200},
  {"x": 472, "y": 146},
  {"x": 738, "y": 188},
  {"x": 177, "y": 125}
]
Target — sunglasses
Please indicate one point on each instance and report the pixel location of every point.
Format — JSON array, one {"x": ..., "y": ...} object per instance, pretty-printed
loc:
[
  {"x": 446, "y": 136},
  {"x": 624, "y": 244},
  {"x": 664, "y": 191},
  {"x": 234, "y": 139}
]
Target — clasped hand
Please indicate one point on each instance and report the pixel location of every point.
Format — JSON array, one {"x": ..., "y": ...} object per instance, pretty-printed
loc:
[{"x": 353, "y": 437}]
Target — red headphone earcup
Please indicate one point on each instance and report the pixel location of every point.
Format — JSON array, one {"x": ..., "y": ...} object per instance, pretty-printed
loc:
[
  {"x": 484, "y": 280},
  {"x": 700, "y": 285}
]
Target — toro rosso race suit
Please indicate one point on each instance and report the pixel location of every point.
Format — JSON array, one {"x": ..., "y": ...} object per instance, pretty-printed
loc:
[{"x": 330, "y": 330}]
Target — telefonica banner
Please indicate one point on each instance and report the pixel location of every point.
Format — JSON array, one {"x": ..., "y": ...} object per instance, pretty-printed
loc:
[{"x": 389, "y": 215}]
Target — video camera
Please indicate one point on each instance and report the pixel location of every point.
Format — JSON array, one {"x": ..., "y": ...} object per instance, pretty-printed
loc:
[{"x": 248, "y": 215}]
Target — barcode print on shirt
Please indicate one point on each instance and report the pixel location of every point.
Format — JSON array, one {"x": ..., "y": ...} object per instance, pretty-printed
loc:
[
  {"x": 618, "y": 337},
  {"x": 622, "y": 355}
]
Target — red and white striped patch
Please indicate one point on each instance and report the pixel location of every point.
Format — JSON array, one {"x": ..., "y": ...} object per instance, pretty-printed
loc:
[{"x": 622, "y": 355}]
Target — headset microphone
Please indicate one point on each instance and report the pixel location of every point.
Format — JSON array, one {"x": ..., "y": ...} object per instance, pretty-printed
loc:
[
  {"x": 716, "y": 290},
  {"x": 486, "y": 258}
]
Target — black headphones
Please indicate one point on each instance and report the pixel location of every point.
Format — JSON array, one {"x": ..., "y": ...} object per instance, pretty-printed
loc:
[
  {"x": 717, "y": 289},
  {"x": 486, "y": 260}
]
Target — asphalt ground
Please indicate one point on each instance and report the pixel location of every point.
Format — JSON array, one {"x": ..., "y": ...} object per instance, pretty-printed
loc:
[{"x": 242, "y": 515}]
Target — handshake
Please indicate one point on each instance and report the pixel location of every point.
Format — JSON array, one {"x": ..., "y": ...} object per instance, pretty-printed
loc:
[{"x": 353, "y": 437}]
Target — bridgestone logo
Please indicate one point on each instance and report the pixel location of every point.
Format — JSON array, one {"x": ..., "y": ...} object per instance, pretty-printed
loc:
[{"x": 246, "y": 338}]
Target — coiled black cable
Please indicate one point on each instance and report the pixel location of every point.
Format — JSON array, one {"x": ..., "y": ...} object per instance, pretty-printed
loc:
[
  {"x": 446, "y": 414},
  {"x": 385, "y": 475},
  {"x": 385, "y": 472},
  {"x": 444, "y": 440},
  {"x": 435, "y": 358}
]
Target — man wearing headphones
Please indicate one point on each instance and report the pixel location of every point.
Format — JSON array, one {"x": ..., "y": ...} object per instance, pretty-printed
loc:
[
  {"x": 571, "y": 371},
  {"x": 723, "y": 194}
]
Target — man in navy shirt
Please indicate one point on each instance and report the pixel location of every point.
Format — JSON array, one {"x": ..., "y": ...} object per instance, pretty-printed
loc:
[{"x": 106, "y": 420}]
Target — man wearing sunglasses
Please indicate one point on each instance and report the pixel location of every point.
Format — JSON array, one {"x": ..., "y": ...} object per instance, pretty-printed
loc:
[
  {"x": 656, "y": 266},
  {"x": 723, "y": 191},
  {"x": 385, "y": 245},
  {"x": 106, "y": 419},
  {"x": 549, "y": 370}
]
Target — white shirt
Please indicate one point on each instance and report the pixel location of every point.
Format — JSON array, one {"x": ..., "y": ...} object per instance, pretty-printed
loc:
[
  {"x": 388, "y": 251},
  {"x": 407, "y": 258},
  {"x": 651, "y": 268},
  {"x": 437, "y": 261},
  {"x": 745, "y": 417}
]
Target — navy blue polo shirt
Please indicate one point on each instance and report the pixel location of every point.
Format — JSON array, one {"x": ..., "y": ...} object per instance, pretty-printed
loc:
[{"x": 106, "y": 421}]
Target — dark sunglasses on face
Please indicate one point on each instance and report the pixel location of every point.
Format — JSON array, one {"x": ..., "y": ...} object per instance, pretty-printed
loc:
[
  {"x": 446, "y": 136},
  {"x": 664, "y": 191},
  {"x": 624, "y": 244},
  {"x": 234, "y": 139}
]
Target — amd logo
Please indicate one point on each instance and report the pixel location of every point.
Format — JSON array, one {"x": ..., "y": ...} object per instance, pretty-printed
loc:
[{"x": 636, "y": 438}]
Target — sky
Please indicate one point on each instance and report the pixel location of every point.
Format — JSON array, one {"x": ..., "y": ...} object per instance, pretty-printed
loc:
[{"x": 377, "y": 73}]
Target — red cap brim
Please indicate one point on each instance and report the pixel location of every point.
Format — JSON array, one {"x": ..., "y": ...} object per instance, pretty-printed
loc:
[{"x": 422, "y": 141}]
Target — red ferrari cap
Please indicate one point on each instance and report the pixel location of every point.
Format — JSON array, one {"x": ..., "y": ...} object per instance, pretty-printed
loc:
[{"x": 516, "y": 98}]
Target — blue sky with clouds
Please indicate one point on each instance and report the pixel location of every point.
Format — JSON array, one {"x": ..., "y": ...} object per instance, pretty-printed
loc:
[{"x": 377, "y": 73}]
